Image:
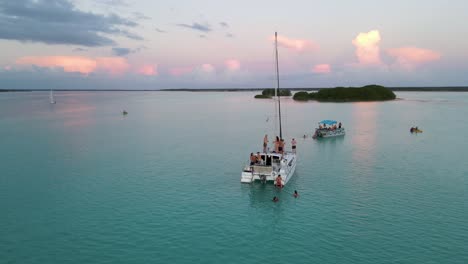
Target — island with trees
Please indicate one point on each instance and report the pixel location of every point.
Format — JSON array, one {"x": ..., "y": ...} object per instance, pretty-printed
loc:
[
  {"x": 270, "y": 93},
  {"x": 349, "y": 94}
]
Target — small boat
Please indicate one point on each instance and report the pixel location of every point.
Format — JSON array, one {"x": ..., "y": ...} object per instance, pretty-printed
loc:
[
  {"x": 51, "y": 97},
  {"x": 272, "y": 164},
  {"x": 331, "y": 131},
  {"x": 124, "y": 112}
]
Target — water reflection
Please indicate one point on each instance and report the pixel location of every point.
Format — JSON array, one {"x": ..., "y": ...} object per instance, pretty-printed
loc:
[{"x": 363, "y": 137}]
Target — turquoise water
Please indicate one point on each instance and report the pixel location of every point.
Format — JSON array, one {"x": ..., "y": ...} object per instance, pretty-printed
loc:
[{"x": 80, "y": 183}]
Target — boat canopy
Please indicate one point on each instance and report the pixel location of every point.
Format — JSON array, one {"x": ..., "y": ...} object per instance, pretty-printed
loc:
[{"x": 328, "y": 122}]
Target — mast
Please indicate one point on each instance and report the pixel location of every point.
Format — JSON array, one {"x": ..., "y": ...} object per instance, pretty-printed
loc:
[{"x": 277, "y": 84}]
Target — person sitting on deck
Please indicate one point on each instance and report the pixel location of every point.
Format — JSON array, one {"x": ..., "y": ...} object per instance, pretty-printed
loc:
[
  {"x": 339, "y": 125},
  {"x": 253, "y": 159},
  {"x": 259, "y": 158},
  {"x": 279, "y": 181}
]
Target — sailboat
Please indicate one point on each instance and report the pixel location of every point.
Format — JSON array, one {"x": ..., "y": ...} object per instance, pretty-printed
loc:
[
  {"x": 272, "y": 167},
  {"x": 51, "y": 97}
]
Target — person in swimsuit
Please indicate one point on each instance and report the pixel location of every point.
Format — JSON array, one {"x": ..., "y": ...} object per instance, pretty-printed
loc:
[
  {"x": 275, "y": 199},
  {"x": 259, "y": 158},
  {"x": 295, "y": 194},
  {"x": 265, "y": 143},
  {"x": 293, "y": 144},
  {"x": 279, "y": 181},
  {"x": 253, "y": 159},
  {"x": 281, "y": 146}
]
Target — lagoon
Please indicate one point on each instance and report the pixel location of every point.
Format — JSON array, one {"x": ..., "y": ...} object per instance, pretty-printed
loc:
[{"x": 80, "y": 183}]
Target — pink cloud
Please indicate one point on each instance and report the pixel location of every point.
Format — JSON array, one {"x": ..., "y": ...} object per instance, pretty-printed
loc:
[
  {"x": 207, "y": 68},
  {"x": 148, "y": 70},
  {"x": 296, "y": 44},
  {"x": 232, "y": 64},
  {"x": 68, "y": 63},
  {"x": 410, "y": 57},
  {"x": 321, "y": 68},
  {"x": 83, "y": 65},
  {"x": 367, "y": 47},
  {"x": 178, "y": 71},
  {"x": 113, "y": 65}
]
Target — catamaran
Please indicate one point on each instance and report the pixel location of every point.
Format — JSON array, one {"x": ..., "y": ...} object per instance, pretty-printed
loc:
[
  {"x": 273, "y": 166},
  {"x": 51, "y": 97},
  {"x": 331, "y": 131}
]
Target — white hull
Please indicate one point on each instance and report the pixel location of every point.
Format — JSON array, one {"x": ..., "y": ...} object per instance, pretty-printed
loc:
[
  {"x": 284, "y": 167},
  {"x": 324, "y": 133}
]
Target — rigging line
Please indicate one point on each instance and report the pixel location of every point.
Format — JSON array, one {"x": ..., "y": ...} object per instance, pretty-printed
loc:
[{"x": 277, "y": 82}]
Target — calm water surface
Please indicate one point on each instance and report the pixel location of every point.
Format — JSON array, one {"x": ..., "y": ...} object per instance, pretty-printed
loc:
[{"x": 80, "y": 183}]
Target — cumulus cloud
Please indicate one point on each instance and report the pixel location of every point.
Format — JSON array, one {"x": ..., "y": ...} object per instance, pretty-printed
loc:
[
  {"x": 321, "y": 68},
  {"x": 160, "y": 30},
  {"x": 296, "y": 44},
  {"x": 232, "y": 65},
  {"x": 411, "y": 57},
  {"x": 78, "y": 64},
  {"x": 148, "y": 70},
  {"x": 224, "y": 24},
  {"x": 367, "y": 48},
  {"x": 59, "y": 22},
  {"x": 196, "y": 26}
]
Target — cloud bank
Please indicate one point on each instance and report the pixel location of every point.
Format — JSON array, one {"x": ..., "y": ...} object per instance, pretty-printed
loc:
[
  {"x": 411, "y": 57},
  {"x": 78, "y": 64},
  {"x": 59, "y": 22}
]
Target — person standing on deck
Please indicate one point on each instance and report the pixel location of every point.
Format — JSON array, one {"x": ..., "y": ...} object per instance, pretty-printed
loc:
[
  {"x": 281, "y": 146},
  {"x": 265, "y": 143},
  {"x": 293, "y": 145},
  {"x": 277, "y": 143}
]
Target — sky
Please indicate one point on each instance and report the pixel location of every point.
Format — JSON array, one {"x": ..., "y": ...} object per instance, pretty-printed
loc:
[{"x": 147, "y": 44}]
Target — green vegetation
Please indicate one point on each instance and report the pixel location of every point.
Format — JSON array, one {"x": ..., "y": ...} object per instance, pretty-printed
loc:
[
  {"x": 302, "y": 96},
  {"x": 261, "y": 96},
  {"x": 269, "y": 93},
  {"x": 350, "y": 94}
]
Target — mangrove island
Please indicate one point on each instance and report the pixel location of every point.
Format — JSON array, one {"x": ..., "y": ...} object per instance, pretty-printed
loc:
[
  {"x": 269, "y": 93},
  {"x": 349, "y": 94}
]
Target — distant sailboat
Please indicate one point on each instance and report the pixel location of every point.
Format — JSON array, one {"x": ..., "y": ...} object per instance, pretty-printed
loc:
[{"x": 51, "y": 97}]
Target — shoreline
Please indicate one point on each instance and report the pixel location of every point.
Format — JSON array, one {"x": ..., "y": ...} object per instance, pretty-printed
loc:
[{"x": 394, "y": 89}]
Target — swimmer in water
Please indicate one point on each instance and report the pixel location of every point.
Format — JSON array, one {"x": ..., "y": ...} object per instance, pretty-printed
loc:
[
  {"x": 275, "y": 199},
  {"x": 295, "y": 194}
]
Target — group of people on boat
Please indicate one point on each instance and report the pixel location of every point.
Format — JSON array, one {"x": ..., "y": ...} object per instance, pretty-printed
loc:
[
  {"x": 256, "y": 159},
  {"x": 331, "y": 128},
  {"x": 279, "y": 145}
]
